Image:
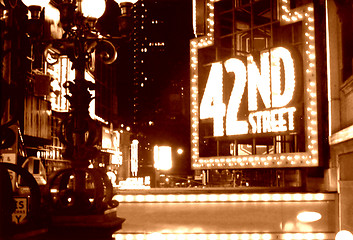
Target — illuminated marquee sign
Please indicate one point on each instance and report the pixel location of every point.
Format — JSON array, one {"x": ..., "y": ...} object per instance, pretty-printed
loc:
[
  {"x": 278, "y": 115},
  {"x": 275, "y": 80},
  {"x": 134, "y": 157}
]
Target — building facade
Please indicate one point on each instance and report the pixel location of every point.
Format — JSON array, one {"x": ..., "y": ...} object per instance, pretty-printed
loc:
[{"x": 339, "y": 71}]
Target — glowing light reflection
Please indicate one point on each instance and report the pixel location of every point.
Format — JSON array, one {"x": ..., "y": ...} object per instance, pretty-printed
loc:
[{"x": 309, "y": 216}]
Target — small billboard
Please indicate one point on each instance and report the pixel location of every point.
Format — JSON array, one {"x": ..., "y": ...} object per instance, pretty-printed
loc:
[{"x": 162, "y": 157}]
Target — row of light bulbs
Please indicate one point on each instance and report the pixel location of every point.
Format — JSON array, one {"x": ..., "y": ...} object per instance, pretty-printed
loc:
[
  {"x": 263, "y": 197},
  {"x": 224, "y": 236},
  {"x": 255, "y": 161}
]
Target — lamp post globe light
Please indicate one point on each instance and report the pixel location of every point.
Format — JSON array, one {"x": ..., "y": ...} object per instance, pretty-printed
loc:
[
  {"x": 93, "y": 8},
  {"x": 79, "y": 191}
]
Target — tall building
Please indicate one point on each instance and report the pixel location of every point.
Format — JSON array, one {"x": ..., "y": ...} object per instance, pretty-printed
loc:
[
  {"x": 339, "y": 37},
  {"x": 160, "y": 41}
]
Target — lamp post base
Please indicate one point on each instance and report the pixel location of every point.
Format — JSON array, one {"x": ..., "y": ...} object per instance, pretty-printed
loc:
[{"x": 97, "y": 226}]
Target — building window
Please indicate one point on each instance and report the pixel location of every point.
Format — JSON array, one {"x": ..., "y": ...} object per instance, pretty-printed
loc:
[{"x": 345, "y": 12}]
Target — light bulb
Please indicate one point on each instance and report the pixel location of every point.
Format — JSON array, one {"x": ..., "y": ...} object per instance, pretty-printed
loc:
[
  {"x": 42, "y": 3},
  {"x": 126, "y": 1},
  {"x": 93, "y": 8}
]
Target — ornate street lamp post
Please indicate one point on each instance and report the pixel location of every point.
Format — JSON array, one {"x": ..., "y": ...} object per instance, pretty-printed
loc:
[{"x": 80, "y": 191}]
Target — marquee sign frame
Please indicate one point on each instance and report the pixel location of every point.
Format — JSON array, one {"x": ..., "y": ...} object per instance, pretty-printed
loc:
[{"x": 308, "y": 158}]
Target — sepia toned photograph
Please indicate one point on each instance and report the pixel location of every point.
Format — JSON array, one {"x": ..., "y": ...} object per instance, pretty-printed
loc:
[{"x": 176, "y": 120}]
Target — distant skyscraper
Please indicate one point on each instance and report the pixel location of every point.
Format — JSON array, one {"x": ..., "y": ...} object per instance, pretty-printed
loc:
[
  {"x": 150, "y": 59},
  {"x": 160, "y": 40}
]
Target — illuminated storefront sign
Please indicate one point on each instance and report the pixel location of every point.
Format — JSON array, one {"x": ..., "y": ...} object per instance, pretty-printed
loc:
[
  {"x": 277, "y": 115},
  {"x": 61, "y": 72},
  {"x": 260, "y": 81},
  {"x": 111, "y": 145},
  {"x": 162, "y": 157},
  {"x": 134, "y": 157}
]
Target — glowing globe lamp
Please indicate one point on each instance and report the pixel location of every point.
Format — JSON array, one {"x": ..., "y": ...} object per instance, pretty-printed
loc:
[
  {"x": 344, "y": 235},
  {"x": 93, "y": 8},
  {"x": 126, "y": 1},
  {"x": 41, "y": 3}
]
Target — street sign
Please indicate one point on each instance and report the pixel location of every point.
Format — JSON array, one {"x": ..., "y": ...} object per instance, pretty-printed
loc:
[{"x": 21, "y": 209}]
